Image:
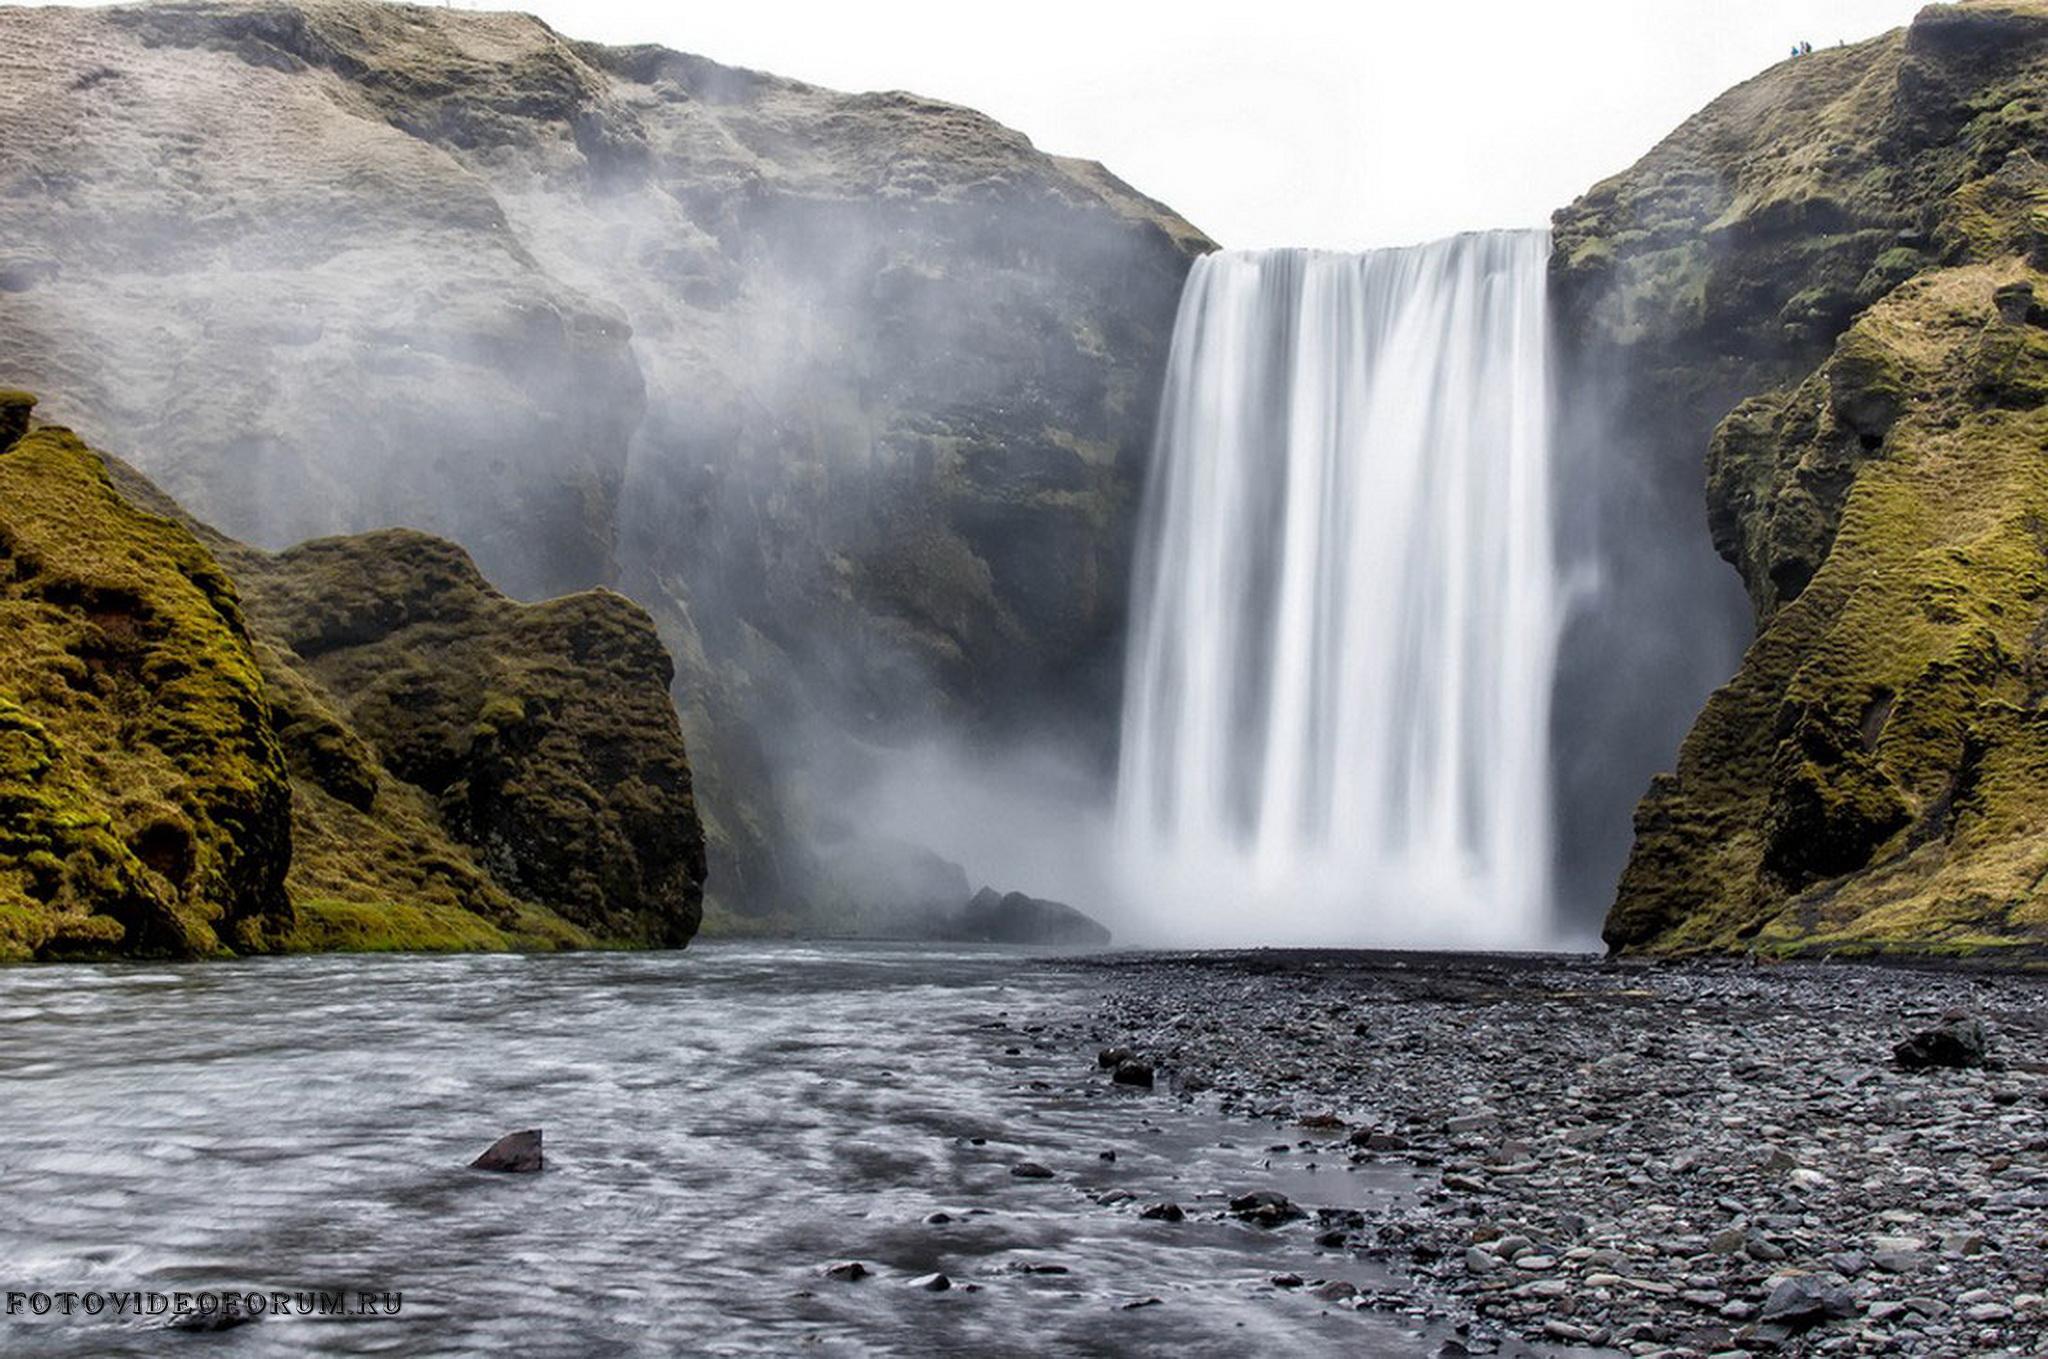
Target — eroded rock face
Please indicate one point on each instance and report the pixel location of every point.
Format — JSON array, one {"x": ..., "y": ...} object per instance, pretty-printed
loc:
[
  {"x": 852, "y": 391},
  {"x": 543, "y": 733},
  {"x": 1835, "y": 263}
]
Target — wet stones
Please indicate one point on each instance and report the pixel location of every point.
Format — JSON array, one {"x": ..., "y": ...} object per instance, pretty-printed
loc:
[
  {"x": 1133, "y": 1073},
  {"x": 516, "y": 1153},
  {"x": 1265, "y": 1207},
  {"x": 1162, "y": 1212},
  {"x": 1685, "y": 1159},
  {"x": 1030, "y": 1170},
  {"x": 847, "y": 1271}
]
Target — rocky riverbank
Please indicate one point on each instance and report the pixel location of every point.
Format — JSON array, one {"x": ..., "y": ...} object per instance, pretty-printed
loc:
[{"x": 1667, "y": 1160}]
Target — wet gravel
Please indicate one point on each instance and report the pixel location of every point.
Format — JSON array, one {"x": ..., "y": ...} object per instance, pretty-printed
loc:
[{"x": 1645, "y": 1159}]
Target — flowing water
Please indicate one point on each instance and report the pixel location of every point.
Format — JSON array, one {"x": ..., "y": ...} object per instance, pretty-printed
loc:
[
  {"x": 1338, "y": 685},
  {"x": 720, "y": 1125}
]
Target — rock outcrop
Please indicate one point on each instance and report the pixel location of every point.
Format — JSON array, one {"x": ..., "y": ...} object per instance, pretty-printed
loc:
[
  {"x": 353, "y": 744},
  {"x": 144, "y": 800},
  {"x": 543, "y": 733},
  {"x": 852, "y": 391},
  {"x": 1834, "y": 268}
]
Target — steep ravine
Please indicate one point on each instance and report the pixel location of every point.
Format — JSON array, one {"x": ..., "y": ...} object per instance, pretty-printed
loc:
[{"x": 1826, "y": 282}]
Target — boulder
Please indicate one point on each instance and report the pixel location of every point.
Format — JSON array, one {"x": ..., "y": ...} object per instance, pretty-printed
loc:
[
  {"x": 1803, "y": 1301},
  {"x": 1958, "y": 1041}
]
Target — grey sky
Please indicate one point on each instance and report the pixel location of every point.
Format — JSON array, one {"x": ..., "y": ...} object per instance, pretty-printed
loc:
[{"x": 1286, "y": 122}]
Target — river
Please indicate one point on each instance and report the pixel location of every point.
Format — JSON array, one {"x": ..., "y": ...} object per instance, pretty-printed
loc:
[{"x": 721, "y": 1126}]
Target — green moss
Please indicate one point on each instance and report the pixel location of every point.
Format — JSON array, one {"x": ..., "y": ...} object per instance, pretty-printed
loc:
[
  {"x": 533, "y": 748},
  {"x": 1876, "y": 776},
  {"x": 143, "y": 794}
]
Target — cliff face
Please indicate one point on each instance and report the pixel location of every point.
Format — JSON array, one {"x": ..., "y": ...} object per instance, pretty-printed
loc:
[
  {"x": 354, "y": 744},
  {"x": 543, "y": 733},
  {"x": 852, "y": 391},
  {"x": 1833, "y": 267}
]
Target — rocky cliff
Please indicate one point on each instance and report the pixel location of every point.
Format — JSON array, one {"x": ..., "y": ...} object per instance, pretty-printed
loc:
[
  {"x": 1823, "y": 287},
  {"x": 357, "y": 743},
  {"x": 851, "y": 390}
]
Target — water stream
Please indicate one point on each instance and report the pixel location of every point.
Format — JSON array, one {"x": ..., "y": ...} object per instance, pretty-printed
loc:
[{"x": 721, "y": 1125}]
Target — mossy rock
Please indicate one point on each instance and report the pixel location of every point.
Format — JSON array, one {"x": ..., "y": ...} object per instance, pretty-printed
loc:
[
  {"x": 144, "y": 799},
  {"x": 541, "y": 736},
  {"x": 1875, "y": 777}
]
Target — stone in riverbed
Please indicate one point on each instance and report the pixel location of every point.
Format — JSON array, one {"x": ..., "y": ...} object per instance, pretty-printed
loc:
[
  {"x": 1030, "y": 1170},
  {"x": 515, "y": 1153},
  {"x": 847, "y": 1271},
  {"x": 1803, "y": 1301},
  {"x": 1958, "y": 1041},
  {"x": 1133, "y": 1073},
  {"x": 932, "y": 1283},
  {"x": 1265, "y": 1207},
  {"x": 1163, "y": 1212}
]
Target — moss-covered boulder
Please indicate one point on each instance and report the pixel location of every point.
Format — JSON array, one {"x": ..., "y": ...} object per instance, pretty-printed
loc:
[
  {"x": 145, "y": 806},
  {"x": 541, "y": 735},
  {"x": 1842, "y": 257}
]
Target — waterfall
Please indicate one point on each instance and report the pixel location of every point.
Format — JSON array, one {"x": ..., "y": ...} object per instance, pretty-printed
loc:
[{"x": 1337, "y": 693}]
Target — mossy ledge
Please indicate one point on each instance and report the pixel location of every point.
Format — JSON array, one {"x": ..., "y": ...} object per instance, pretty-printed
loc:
[
  {"x": 1848, "y": 251},
  {"x": 438, "y": 768}
]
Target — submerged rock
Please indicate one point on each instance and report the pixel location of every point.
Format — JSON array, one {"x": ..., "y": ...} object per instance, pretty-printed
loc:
[
  {"x": 1266, "y": 1207},
  {"x": 515, "y": 1153},
  {"x": 847, "y": 1271}
]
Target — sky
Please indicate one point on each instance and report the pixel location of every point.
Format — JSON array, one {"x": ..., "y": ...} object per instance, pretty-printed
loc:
[
  {"x": 1282, "y": 122},
  {"x": 1285, "y": 122}
]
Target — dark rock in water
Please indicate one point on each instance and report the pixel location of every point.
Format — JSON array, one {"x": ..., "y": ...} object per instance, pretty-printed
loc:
[
  {"x": 932, "y": 1283},
  {"x": 847, "y": 1271},
  {"x": 1013, "y": 918},
  {"x": 1030, "y": 1170},
  {"x": 1163, "y": 1212},
  {"x": 1958, "y": 1041},
  {"x": 211, "y": 1319},
  {"x": 1109, "y": 1059},
  {"x": 1286, "y": 1281},
  {"x": 1804, "y": 1301},
  {"x": 1373, "y": 1140},
  {"x": 515, "y": 1154},
  {"x": 1133, "y": 1073},
  {"x": 1265, "y": 1207}
]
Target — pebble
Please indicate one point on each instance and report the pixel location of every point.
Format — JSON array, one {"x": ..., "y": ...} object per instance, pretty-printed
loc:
[{"x": 1676, "y": 1158}]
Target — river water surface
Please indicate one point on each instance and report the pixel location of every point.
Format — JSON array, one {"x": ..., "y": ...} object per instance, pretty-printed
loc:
[{"x": 721, "y": 1125}]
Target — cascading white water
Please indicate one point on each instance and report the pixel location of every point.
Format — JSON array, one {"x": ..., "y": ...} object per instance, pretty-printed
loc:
[{"x": 1343, "y": 623}]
